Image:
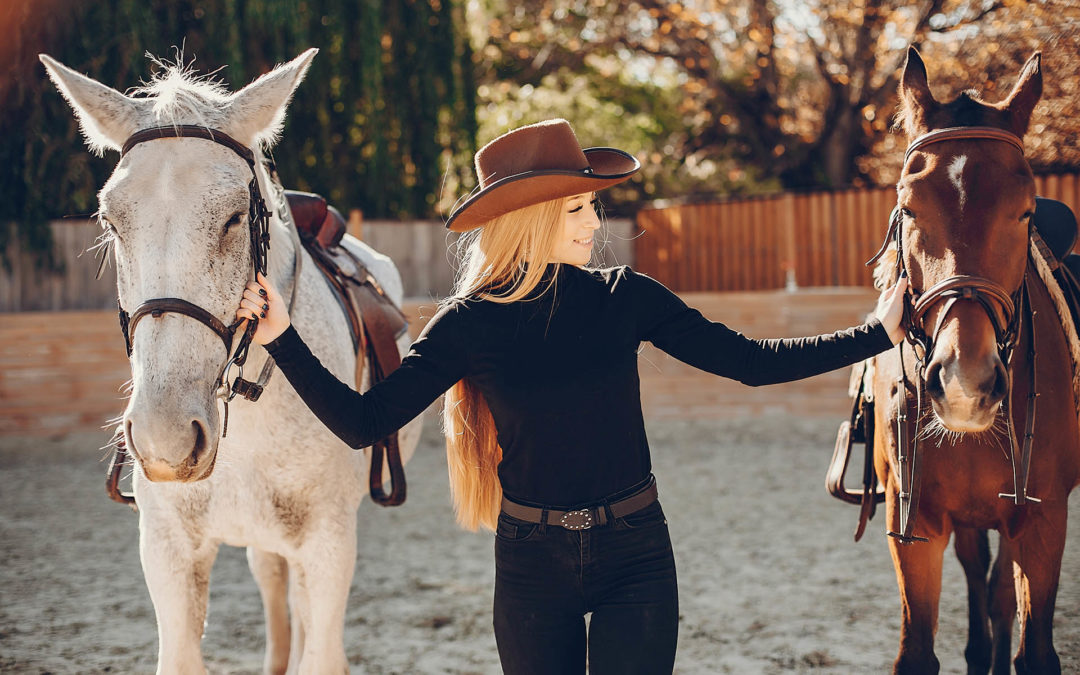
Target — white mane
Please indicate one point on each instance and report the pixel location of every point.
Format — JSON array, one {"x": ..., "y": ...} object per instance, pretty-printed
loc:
[{"x": 180, "y": 95}]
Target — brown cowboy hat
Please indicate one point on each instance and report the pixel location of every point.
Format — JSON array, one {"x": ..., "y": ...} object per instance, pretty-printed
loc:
[{"x": 534, "y": 164}]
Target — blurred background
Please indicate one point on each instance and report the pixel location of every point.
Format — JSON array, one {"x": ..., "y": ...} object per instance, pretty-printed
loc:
[{"x": 717, "y": 98}]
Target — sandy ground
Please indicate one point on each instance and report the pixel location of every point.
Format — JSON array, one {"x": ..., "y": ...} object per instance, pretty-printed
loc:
[{"x": 770, "y": 580}]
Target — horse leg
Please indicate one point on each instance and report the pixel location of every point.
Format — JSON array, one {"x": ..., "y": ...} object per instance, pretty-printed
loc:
[
  {"x": 973, "y": 550},
  {"x": 1038, "y": 552},
  {"x": 918, "y": 574},
  {"x": 271, "y": 573},
  {"x": 178, "y": 578},
  {"x": 327, "y": 560},
  {"x": 1002, "y": 608}
]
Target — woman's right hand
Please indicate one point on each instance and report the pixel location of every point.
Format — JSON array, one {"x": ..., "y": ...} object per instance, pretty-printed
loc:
[{"x": 262, "y": 301}]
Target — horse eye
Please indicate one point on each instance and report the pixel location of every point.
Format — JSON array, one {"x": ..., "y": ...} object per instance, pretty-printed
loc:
[
  {"x": 234, "y": 219},
  {"x": 907, "y": 213},
  {"x": 1028, "y": 215}
]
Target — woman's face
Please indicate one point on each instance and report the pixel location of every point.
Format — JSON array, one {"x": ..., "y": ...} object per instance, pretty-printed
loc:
[{"x": 575, "y": 241}]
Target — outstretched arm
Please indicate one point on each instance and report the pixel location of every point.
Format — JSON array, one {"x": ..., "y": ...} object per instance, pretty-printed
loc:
[
  {"x": 666, "y": 321},
  {"x": 434, "y": 363}
]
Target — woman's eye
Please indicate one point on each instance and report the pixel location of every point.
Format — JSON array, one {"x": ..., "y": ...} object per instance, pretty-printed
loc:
[{"x": 576, "y": 208}]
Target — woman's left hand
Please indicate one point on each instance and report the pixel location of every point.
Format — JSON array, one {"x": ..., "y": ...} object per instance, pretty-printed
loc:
[{"x": 890, "y": 309}]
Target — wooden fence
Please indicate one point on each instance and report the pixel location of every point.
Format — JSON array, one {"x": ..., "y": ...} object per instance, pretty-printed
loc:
[
  {"x": 419, "y": 248},
  {"x": 759, "y": 243}
]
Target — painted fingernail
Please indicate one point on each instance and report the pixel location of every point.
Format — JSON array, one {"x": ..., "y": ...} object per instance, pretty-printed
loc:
[
  {"x": 262, "y": 292},
  {"x": 266, "y": 308},
  {"x": 262, "y": 315}
]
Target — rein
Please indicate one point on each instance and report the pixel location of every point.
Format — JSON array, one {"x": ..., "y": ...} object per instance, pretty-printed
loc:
[{"x": 990, "y": 295}]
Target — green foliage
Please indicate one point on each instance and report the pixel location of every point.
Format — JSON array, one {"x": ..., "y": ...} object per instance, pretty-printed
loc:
[{"x": 388, "y": 103}]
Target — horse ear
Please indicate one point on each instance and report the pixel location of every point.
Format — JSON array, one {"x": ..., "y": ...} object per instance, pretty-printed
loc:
[
  {"x": 916, "y": 100},
  {"x": 106, "y": 116},
  {"x": 1025, "y": 95},
  {"x": 256, "y": 112}
]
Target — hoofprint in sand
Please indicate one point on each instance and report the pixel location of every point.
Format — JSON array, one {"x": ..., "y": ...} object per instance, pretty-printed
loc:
[{"x": 769, "y": 579}]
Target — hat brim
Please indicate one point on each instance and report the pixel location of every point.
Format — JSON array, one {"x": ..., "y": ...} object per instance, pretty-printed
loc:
[{"x": 607, "y": 167}]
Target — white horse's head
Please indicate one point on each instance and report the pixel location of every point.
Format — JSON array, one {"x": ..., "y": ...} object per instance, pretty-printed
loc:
[{"x": 176, "y": 210}]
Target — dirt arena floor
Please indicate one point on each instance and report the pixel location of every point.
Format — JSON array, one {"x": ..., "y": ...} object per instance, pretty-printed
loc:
[{"x": 770, "y": 579}]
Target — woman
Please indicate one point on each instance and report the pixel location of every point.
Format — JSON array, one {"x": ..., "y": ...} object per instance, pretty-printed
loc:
[{"x": 545, "y": 438}]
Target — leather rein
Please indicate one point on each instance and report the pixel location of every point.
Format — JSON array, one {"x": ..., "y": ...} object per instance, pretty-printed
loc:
[{"x": 991, "y": 296}]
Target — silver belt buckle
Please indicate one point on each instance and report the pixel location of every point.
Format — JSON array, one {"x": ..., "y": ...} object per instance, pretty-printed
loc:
[{"x": 577, "y": 520}]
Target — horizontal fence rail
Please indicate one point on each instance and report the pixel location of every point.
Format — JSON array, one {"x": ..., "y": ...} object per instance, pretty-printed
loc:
[{"x": 785, "y": 240}]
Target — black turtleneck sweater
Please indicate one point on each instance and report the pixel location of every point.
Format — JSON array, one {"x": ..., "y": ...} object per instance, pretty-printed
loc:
[{"x": 560, "y": 375}]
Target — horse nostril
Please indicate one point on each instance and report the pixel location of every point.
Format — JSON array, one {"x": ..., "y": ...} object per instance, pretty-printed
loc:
[
  {"x": 129, "y": 442},
  {"x": 200, "y": 441},
  {"x": 934, "y": 384},
  {"x": 1000, "y": 388}
]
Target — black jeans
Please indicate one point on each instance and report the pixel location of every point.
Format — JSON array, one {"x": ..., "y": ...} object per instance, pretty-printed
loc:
[{"x": 547, "y": 578}]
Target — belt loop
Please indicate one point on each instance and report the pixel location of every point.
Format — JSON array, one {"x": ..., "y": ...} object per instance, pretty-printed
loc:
[
  {"x": 543, "y": 520},
  {"x": 605, "y": 514}
]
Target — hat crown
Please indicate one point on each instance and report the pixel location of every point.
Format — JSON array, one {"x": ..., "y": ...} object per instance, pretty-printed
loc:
[{"x": 546, "y": 146}]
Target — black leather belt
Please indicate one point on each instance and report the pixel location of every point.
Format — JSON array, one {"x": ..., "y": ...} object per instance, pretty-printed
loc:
[{"x": 582, "y": 519}]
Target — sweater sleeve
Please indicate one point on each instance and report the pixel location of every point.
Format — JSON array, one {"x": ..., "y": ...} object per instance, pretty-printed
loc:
[
  {"x": 666, "y": 321},
  {"x": 434, "y": 363}
]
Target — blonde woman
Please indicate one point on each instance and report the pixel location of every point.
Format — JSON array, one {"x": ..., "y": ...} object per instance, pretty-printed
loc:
[{"x": 544, "y": 431}]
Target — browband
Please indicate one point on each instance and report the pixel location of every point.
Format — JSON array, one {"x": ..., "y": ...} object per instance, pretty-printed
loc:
[
  {"x": 190, "y": 131},
  {"x": 964, "y": 133}
]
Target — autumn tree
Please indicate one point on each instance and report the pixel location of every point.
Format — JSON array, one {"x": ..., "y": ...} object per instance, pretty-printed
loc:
[{"x": 771, "y": 93}]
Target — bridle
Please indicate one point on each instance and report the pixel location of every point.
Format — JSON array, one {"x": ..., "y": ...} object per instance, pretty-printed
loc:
[
  {"x": 259, "y": 234},
  {"x": 991, "y": 296}
]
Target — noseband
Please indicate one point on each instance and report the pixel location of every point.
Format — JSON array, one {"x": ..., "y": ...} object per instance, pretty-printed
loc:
[
  {"x": 991, "y": 296},
  {"x": 259, "y": 234}
]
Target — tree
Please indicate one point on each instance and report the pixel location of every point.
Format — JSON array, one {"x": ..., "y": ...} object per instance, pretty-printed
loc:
[
  {"x": 388, "y": 102},
  {"x": 795, "y": 94}
]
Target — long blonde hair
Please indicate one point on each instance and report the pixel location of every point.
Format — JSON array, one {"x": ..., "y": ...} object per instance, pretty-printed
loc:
[{"x": 492, "y": 267}]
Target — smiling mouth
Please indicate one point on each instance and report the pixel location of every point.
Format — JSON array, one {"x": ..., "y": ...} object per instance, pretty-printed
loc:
[{"x": 584, "y": 242}]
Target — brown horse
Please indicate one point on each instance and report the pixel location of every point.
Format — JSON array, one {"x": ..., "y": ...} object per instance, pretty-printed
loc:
[{"x": 966, "y": 201}]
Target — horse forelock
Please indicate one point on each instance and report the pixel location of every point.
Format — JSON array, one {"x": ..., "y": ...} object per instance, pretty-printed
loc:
[{"x": 181, "y": 95}]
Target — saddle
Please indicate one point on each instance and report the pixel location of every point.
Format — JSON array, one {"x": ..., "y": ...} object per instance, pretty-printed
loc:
[
  {"x": 375, "y": 322},
  {"x": 1056, "y": 233}
]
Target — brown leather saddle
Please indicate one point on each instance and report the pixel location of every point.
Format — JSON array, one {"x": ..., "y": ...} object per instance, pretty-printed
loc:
[{"x": 375, "y": 322}]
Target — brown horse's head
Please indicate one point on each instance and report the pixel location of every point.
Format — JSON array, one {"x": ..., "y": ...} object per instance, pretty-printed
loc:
[{"x": 966, "y": 206}]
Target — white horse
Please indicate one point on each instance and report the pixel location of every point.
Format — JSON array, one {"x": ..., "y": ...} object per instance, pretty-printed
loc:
[{"x": 283, "y": 486}]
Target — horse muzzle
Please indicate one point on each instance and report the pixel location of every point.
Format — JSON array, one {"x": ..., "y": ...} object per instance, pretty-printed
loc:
[
  {"x": 183, "y": 454},
  {"x": 966, "y": 396}
]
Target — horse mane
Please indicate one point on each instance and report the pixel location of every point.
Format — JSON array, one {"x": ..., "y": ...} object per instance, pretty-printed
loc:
[{"x": 181, "y": 95}]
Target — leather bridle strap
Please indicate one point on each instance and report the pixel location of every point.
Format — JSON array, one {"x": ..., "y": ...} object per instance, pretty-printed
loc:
[
  {"x": 964, "y": 134},
  {"x": 160, "y": 306},
  {"x": 190, "y": 131}
]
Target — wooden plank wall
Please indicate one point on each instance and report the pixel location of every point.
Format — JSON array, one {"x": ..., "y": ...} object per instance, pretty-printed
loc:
[
  {"x": 419, "y": 248},
  {"x": 64, "y": 372},
  {"x": 759, "y": 243}
]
